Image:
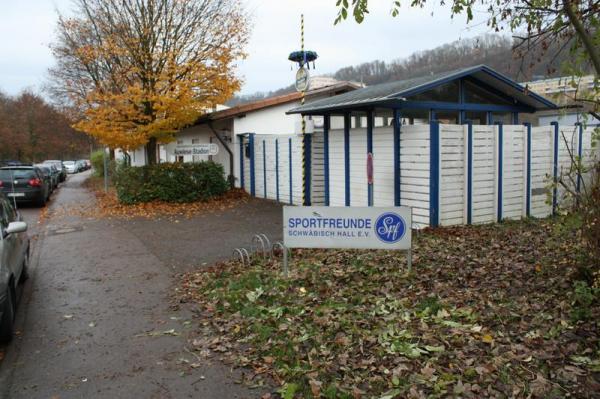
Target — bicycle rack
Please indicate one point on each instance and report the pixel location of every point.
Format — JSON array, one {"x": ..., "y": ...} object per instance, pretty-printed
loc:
[
  {"x": 258, "y": 240},
  {"x": 260, "y": 245},
  {"x": 242, "y": 254},
  {"x": 285, "y": 252}
]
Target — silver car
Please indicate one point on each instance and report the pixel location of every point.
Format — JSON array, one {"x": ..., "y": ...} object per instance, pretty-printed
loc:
[
  {"x": 14, "y": 259},
  {"x": 71, "y": 167}
]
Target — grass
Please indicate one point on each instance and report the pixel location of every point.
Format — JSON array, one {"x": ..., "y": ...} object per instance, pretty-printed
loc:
[{"x": 487, "y": 311}]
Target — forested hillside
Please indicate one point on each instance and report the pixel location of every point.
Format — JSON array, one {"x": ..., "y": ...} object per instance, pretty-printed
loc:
[
  {"x": 493, "y": 50},
  {"x": 32, "y": 130}
]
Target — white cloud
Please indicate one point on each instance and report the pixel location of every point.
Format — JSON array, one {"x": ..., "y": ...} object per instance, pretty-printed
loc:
[{"x": 27, "y": 28}]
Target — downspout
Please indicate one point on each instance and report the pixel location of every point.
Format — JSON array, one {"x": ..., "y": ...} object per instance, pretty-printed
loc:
[{"x": 230, "y": 177}]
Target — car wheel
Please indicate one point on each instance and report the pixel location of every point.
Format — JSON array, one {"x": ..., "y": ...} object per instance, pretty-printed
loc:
[
  {"x": 7, "y": 325},
  {"x": 25, "y": 270}
]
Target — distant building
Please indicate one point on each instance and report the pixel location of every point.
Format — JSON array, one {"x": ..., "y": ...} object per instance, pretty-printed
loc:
[{"x": 562, "y": 91}]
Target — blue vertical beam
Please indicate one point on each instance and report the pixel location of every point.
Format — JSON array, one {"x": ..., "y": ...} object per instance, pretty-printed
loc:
[
  {"x": 434, "y": 173},
  {"x": 369, "y": 151},
  {"x": 277, "y": 169},
  {"x": 579, "y": 155},
  {"x": 241, "y": 161},
  {"x": 290, "y": 170},
  {"x": 347, "y": 157},
  {"x": 461, "y": 100},
  {"x": 397, "y": 171},
  {"x": 264, "y": 168},
  {"x": 469, "y": 171},
  {"x": 308, "y": 168},
  {"x": 500, "y": 169},
  {"x": 432, "y": 115},
  {"x": 528, "y": 184},
  {"x": 326, "y": 126},
  {"x": 490, "y": 118},
  {"x": 252, "y": 174},
  {"x": 555, "y": 169},
  {"x": 515, "y": 118}
]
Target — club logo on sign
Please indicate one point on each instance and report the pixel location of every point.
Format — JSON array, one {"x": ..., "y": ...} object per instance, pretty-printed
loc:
[{"x": 390, "y": 227}]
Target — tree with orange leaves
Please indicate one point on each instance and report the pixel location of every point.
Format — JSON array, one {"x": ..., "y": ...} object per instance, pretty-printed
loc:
[{"x": 139, "y": 70}]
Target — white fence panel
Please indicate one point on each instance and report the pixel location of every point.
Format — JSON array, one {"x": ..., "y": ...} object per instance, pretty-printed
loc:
[
  {"x": 284, "y": 169},
  {"x": 542, "y": 157},
  {"x": 337, "y": 185},
  {"x": 484, "y": 174},
  {"x": 258, "y": 167},
  {"x": 414, "y": 171},
  {"x": 317, "y": 195},
  {"x": 514, "y": 172},
  {"x": 358, "y": 167},
  {"x": 452, "y": 175},
  {"x": 383, "y": 166}
]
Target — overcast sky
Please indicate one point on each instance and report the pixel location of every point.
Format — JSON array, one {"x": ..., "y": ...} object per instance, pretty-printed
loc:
[{"x": 27, "y": 28}]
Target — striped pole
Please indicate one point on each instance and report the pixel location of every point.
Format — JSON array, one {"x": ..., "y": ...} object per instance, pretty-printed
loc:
[{"x": 304, "y": 203}]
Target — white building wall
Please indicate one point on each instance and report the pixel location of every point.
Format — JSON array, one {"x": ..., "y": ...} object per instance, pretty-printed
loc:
[{"x": 271, "y": 120}]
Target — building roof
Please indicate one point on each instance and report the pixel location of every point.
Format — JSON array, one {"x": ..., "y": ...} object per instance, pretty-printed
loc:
[
  {"x": 242, "y": 109},
  {"x": 393, "y": 93}
]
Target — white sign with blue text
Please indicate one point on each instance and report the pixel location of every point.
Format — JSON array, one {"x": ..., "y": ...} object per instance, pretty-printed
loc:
[{"x": 347, "y": 227}]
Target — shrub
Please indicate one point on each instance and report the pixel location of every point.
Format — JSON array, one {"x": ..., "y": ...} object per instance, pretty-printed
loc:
[
  {"x": 170, "y": 182},
  {"x": 97, "y": 161}
]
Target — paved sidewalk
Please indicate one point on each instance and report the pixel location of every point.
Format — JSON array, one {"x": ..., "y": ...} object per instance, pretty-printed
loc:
[{"x": 93, "y": 314}]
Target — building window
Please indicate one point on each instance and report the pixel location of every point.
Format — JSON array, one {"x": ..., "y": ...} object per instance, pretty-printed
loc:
[
  {"x": 444, "y": 93},
  {"x": 179, "y": 142},
  {"x": 196, "y": 158},
  {"x": 477, "y": 95},
  {"x": 195, "y": 141},
  {"x": 179, "y": 159}
]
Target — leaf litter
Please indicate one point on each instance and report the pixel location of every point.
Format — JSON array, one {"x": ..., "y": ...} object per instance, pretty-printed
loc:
[{"x": 486, "y": 312}]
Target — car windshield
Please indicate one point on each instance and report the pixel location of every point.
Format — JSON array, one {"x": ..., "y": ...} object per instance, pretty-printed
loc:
[{"x": 9, "y": 174}]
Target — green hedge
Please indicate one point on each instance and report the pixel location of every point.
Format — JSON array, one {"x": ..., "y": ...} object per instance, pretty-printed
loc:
[
  {"x": 171, "y": 182},
  {"x": 97, "y": 160}
]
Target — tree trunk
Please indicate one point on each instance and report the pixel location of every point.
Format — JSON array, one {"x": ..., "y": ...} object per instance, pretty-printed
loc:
[
  {"x": 584, "y": 36},
  {"x": 151, "y": 147}
]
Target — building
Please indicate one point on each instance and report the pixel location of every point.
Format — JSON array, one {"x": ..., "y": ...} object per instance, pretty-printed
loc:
[
  {"x": 218, "y": 131},
  {"x": 563, "y": 91},
  {"x": 450, "y": 146}
]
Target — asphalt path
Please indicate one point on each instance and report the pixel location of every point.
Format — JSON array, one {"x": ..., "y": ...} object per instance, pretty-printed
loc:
[{"x": 94, "y": 320}]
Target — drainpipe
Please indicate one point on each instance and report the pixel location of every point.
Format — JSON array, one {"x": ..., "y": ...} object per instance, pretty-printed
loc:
[{"x": 230, "y": 177}]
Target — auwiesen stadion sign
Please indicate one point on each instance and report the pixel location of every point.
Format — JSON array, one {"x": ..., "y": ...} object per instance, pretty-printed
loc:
[{"x": 347, "y": 227}]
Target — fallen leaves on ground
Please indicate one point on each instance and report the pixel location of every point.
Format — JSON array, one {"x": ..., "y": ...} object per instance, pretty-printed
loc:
[
  {"x": 487, "y": 312},
  {"x": 107, "y": 205}
]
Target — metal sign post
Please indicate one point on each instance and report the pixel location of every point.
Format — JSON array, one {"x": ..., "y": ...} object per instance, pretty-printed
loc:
[
  {"x": 105, "y": 165},
  {"x": 303, "y": 59}
]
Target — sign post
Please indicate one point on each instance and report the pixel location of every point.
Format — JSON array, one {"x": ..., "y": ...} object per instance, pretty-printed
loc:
[{"x": 348, "y": 227}]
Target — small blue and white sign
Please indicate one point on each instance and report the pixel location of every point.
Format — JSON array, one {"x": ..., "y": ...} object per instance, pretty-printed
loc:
[
  {"x": 347, "y": 227},
  {"x": 390, "y": 227}
]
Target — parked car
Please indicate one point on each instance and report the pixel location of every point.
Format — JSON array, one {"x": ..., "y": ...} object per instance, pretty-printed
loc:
[
  {"x": 47, "y": 174},
  {"x": 24, "y": 184},
  {"x": 70, "y": 166},
  {"x": 55, "y": 174},
  {"x": 14, "y": 259},
  {"x": 61, "y": 168},
  {"x": 82, "y": 165}
]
